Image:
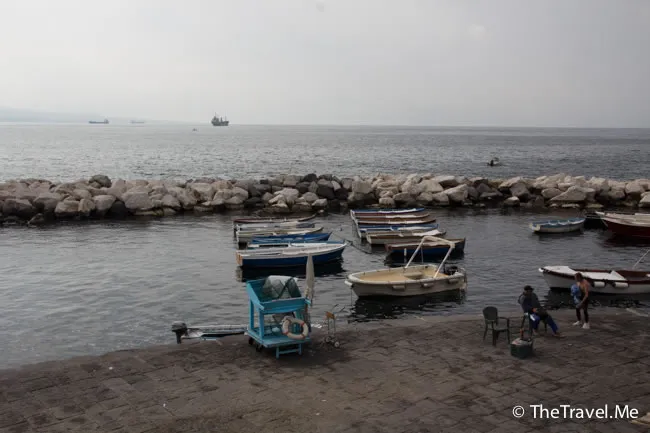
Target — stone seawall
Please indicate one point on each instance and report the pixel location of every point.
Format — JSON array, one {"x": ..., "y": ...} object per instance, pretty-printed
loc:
[{"x": 38, "y": 201}]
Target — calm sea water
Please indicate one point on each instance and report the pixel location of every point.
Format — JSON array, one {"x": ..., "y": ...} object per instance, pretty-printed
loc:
[
  {"x": 77, "y": 289},
  {"x": 68, "y": 152}
]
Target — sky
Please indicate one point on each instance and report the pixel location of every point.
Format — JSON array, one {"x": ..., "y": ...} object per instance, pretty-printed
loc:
[{"x": 578, "y": 63}]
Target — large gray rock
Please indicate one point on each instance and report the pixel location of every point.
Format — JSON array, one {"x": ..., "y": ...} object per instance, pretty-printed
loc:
[
  {"x": 138, "y": 201},
  {"x": 425, "y": 198},
  {"x": 240, "y": 192},
  {"x": 102, "y": 180},
  {"x": 490, "y": 196},
  {"x": 86, "y": 206},
  {"x": 387, "y": 202},
  {"x": 310, "y": 197},
  {"x": 403, "y": 198},
  {"x": 440, "y": 199},
  {"x": 303, "y": 187},
  {"x": 361, "y": 187},
  {"x": 511, "y": 202},
  {"x": 574, "y": 194},
  {"x": 634, "y": 190},
  {"x": 615, "y": 195},
  {"x": 262, "y": 188},
  {"x": 68, "y": 208},
  {"x": 645, "y": 200},
  {"x": 172, "y": 202},
  {"x": 430, "y": 185},
  {"x": 290, "y": 195},
  {"x": 446, "y": 181},
  {"x": 311, "y": 177},
  {"x": 458, "y": 194},
  {"x": 506, "y": 185},
  {"x": 235, "y": 202},
  {"x": 549, "y": 193},
  {"x": 253, "y": 202},
  {"x": 79, "y": 194},
  {"x": 103, "y": 203},
  {"x": 346, "y": 183},
  {"x": 321, "y": 203},
  {"x": 46, "y": 201},
  {"x": 203, "y": 191},
  {"x": 520, "y": 190},
  {"x": 188, "y": 201},
  {"x": 18, "y": 207},
  {"x": 325, "y": 191},
  {"x": 267, "y": 197}
]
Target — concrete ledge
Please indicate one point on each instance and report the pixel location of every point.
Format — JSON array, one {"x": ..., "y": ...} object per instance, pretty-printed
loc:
[{"x": 422, "y": 374}]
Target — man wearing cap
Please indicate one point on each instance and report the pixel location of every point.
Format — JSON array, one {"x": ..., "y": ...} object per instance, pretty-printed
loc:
[{"x": 531, "y": 305}]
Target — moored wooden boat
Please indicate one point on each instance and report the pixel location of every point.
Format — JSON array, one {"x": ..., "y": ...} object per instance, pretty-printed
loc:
[
  {"x": 311, "y": 237},
  {"x": 269, "y": 220},
  {"x": 382, "y": 238},
  {"x": 558, "y": 226},
  {"x": 289, "y": 244},
  {"x": 428, "y": 249},
  {"x": 605, "y": 281},
  {"x": 381, "y": 212},
  {"x": 364, "y": 230},
  {"x": 396, "y": 217},
  {"x": 403, "y": 222},
  {"x": 287, "y": 225},
  {"x": 244, "y": 236},
  {"x": 409, "y": 280},
  {"x": 295, "y": 255},
  {"x": 629, "y": 227}
]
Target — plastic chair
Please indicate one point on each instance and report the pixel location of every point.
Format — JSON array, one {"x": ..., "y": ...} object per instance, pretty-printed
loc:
[{"x": 492, "y": 319}]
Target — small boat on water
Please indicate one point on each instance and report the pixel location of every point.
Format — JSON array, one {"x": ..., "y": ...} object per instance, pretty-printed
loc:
[
  {"x": 383, "y": 238},
  {"x": 382, "y": 212},
  {"x": 244, "y": 236},
  {"x": 403, "y": 222},
  {"x": 313, "y": 237},
  {"x": 269, "y": 220},
  {"x": 605, "y": 281},
  {"x": 285, "y": 225},
  {"x": 558, "y": 226},
  {"x": 633, "y": 226},
  {"x": 289, "y": 244},
  {"x": 363, "y": 231},
  {"x": 410, "y": 280},
  {"x": 428, "y": 249},
  {"x": 294, "y": 255},
  {"x": 396, "y": 217}
]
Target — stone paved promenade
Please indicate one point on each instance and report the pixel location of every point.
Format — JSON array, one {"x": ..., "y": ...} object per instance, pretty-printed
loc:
[{"x": 417, "y": 375}]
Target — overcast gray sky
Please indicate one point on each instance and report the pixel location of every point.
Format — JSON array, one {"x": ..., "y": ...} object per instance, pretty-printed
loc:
[{"x": 407, "y": 62}]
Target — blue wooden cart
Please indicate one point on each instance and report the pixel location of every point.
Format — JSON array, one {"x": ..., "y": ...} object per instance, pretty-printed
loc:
[{"x": 270, "y": 300}]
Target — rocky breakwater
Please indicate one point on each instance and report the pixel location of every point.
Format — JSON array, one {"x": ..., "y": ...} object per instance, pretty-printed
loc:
[{"x": 38, "y": 201}]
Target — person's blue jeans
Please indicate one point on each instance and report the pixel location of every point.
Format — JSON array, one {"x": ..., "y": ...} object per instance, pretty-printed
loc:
[{"x": 536, "y": 319}]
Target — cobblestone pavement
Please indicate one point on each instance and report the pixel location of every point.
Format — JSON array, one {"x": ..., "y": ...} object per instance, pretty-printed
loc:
[{"x": 429, "y": 374}]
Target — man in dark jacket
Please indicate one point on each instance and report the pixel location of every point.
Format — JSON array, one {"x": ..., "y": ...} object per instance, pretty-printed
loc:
[{"x": 530, "y": 304}]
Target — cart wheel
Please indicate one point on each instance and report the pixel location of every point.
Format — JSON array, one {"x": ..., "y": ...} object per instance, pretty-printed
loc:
[
  {"x": 259, "y": 347},
  {"x": 250, "y": 340},
  {"x": 337, "y": 344}
]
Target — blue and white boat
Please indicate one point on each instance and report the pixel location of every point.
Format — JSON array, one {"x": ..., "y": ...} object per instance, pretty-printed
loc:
[
  {"x": 289, "y": 244},
  {"x": 386, "y": 212},
  {"x": 295, "y": 255},
  {"x": 312, "y": 237},
  {"x": 558, "y": 226},
  {"x": 245, "y": 236}
]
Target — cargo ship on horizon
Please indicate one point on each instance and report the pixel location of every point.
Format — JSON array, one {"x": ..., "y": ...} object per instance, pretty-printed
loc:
[
  {"x": 97, "y": 122},
  {"x": 220, "y": 121}
]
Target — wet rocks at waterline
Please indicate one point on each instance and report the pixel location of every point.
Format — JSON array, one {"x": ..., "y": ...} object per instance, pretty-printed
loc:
[{"x": 38, "y": 201}]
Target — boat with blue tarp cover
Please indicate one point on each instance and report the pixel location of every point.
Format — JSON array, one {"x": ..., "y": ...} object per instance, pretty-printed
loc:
[{"x": 558, "y": 226}]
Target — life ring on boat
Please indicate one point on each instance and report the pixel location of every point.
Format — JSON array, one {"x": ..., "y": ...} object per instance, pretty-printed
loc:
[{"x": 286, "y": 326}]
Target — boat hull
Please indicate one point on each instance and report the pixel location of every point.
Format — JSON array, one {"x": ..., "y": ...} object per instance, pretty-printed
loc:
[
  {"x": 246, "y": 236},
  {"x": 396, "y": 222},
  {"x": 314, "y": 237},
  {"x": 628, "y": 228},
  {"x": 406, "y": 286},
  {"x": 271, "y": 220},
  {"x": 560, "y": 226},
  {"x": 382, "y": 212},
  {"x": 297, "y": 260},
  {"x": 602, "y": 281},
  {"x": 398, "y": 251},
  {"x": 386, "y": 238}
]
